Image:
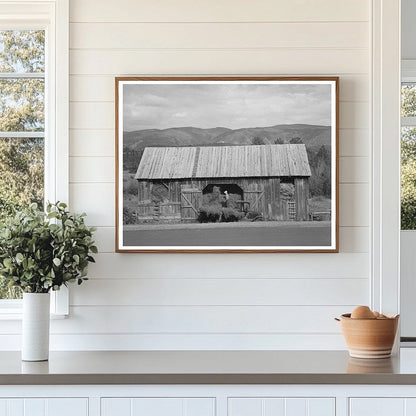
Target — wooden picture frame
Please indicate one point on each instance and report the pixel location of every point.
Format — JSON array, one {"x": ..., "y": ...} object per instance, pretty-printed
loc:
[{"x": 227, "y": 164}]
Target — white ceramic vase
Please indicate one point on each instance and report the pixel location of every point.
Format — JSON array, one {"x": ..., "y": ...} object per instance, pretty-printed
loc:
[{"x": 35, "y": 326}]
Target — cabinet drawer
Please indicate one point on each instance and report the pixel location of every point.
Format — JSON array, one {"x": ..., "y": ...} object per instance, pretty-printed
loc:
[
  {"x": 382, "y": 406},
  {"x": 280, "y": 406},
  {"x": 44, "y": 407},
  {"x": 160, "y": 406}
]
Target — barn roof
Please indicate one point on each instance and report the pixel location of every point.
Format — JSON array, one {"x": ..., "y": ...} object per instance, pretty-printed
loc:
[{"x": 223, "y": 161}]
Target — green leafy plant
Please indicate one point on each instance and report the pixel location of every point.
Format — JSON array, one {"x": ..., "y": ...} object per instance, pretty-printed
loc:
[{"x": 43, "y": 251}]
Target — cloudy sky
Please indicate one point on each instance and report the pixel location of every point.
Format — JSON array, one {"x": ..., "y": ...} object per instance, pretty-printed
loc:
[{"x": 161, "y": 106}]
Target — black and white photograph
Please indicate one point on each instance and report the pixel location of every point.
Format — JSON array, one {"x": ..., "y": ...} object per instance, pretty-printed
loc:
[{"x": 227, "y": 164}]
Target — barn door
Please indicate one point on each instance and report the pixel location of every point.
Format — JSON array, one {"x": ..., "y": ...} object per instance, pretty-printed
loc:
[
  {"x": 256, "y": 199},
  {"x": 191, "y": 199}
]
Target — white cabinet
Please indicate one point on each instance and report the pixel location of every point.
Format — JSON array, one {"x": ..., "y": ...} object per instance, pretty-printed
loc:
[
  {"x": 281, "y": 406},
  {"x": 382, "y": 406},
  {"x": 44, "y": 407},
  {"x": 208, "y": 400},
  {"x": 377, "y": 407},
  {"x": 146, "y": 406}
]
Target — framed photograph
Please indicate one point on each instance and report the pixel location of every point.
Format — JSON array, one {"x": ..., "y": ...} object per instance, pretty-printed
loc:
[{"x": 227, "y": 164}]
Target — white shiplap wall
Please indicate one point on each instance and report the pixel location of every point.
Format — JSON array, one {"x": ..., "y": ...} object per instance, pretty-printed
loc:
[{"x": 218, "y": 301}]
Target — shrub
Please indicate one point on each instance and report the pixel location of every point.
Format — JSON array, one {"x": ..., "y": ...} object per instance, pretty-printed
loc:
[
  {"x": 129, "y": 216},
  {"x": 231, "y": 215},
  {"x": 254, "y": 215},
  {"x": 215, "y": 213},
  {"x": 209, "y": 213},
  {"x": 213, "y": 198},
  {"x": 130, "y": 186}
]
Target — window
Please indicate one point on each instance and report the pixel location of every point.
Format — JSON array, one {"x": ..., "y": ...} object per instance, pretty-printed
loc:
[
  {"x": 408, "y": 201},
  {"x": 22, "y": 124},
  {"x": 408, "y": 154},
  {"x": 33, "y": 112}
]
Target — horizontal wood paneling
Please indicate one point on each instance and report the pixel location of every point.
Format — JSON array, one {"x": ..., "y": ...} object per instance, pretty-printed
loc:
[
  {"x": 354, "y": 115},
  {"x": 101, "y": 88},
  {"x": 220, "y": 291},
  {"x": 354, "y": 208},
  {"x": 92, "y": 88},
  {"x": 218, "y": 11},
  {"x": 267, "y": 265},
  {"x": 105, "y": 239},
  {"x": 194, "y": 320},
  {"x": 146, "y": 342},
  {"x": 94, "y": 143},
  {"x": 97, "y": 199},
  {"x": 90, "y": 169},
  {"x": 222, "y": 35},
  {"x": 201, "y": 319},
  {"x": 229, "y": 61},
  {"x": 352, "y": 239},
  {"x": 282, "y": 292},
  {"x": 354, "y": 170},
  {"x": 354, "y": 142},
  {"x": 92, "y": 116}
]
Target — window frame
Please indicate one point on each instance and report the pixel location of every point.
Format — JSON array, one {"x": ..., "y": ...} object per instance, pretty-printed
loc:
[
  {"x": 53, "y": 17},
  {"x": 408, "y": 75},
  {"x": 385, "y": 156}
]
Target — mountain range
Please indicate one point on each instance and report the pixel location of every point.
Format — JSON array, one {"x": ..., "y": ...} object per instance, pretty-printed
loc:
[{"x": 312, "y": 135}]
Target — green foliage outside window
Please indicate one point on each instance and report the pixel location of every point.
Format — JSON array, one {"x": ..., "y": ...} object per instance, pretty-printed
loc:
[
  {"x": 21, "y": 110},
  {"x": 408, "y": 160},
  {"x": 408, "y": 104}
]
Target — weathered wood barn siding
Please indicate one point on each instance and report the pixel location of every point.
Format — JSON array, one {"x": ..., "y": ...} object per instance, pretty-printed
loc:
[{"x": 186, "y": 171}]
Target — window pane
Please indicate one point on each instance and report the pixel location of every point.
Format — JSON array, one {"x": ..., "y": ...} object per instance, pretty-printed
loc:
[
  {"x": 408, "y": 105},
  {"x": 408, "y": 144},
  {"x": 22, "y": 51},
  {"x": 7, "y": 292},
  {"x": 21, "y": 173},
  {"x": 408, "y": 178},
  {"x": 22, "y": 104},
  {"x": 21, "y": 109},
  {"x": 21, "y": 182}
]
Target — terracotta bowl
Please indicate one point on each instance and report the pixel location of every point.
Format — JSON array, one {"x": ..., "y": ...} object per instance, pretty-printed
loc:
[{"x": 369, "y": 338}]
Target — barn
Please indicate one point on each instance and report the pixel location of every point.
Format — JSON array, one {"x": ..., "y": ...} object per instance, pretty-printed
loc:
[{"x": 173, "y": 180}]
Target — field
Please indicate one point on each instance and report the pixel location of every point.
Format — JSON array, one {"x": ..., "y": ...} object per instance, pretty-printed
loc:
[{"x": 236, "y": 234}]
